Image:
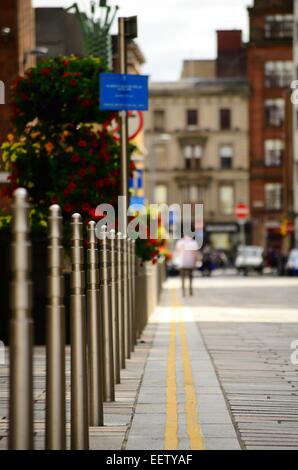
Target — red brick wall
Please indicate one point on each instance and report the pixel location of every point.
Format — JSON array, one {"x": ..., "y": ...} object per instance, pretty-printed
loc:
[
  {"x": 18, "y": 15},
  {"x": 259, "y": 52}
]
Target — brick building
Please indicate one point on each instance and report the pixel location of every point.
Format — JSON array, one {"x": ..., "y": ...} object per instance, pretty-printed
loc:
[
  {"x": 17, "y": 40},
  {"x": 270, "y": 72}
]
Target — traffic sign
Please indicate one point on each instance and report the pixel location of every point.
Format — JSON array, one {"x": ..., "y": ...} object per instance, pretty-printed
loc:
[
  {"x": 123, "y": 92},
  {"x": 135, "y": 125},
  {"x": 241, "y": 211}
]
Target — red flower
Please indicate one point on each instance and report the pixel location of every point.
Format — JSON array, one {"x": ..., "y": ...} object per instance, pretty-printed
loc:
[
  {"x": 99, "y": 183},
  {"x": 70, "y": 188},
  {"x": 66, "y": 63},
  {"x": 86, "y": 103},
  {"x": 82, "y": 172},
  {"x": 132, "y": 166},
  {"x": 92, "y": 170},
  {"x": 54, "y": 200},
  {"x": 78, "y": 74},
  {"x": 75, "y": 158},
  {"x": 46, "y": 71},
  {"x": 73, "y": 82},
  {"x": 66, "y": 74},
  {"x": 68, "y": 207},
  {"x": 82, "y": 143},
  {"x": 86, "y": 206}
]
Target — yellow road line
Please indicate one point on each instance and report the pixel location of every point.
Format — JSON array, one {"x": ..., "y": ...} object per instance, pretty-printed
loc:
[
  {"x": 171, "y": 430},
  {"x": 191, "y": 407}
]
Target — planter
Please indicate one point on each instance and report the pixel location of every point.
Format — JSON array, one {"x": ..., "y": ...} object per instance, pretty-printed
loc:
[{"x": 39, "y": 278}]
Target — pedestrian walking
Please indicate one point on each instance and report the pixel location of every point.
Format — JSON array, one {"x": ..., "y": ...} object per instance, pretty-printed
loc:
[{"x": 187, "y": 251}]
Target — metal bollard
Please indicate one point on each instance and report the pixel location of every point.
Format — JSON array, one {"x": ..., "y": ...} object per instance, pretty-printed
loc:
[
  {"x": 79, "y": 388},
  {"x": 133, "y": 292},
  {"x": 95, "y": 366},
  {"x": 126, "y": 298},
  {"x": 115, "y": 311},
  {"x": 21, "y": 329},
  {"x": 129, "y": 284},
  {"x": 55, "y": 354},
  {"x": 105, "y": 291},
  {"x": 121, "y": 308}
]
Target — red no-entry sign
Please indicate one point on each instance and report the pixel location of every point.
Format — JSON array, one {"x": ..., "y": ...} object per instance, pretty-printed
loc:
[
  {"x": 241, "y": 211},
  {"x": 135, "y": 125}
]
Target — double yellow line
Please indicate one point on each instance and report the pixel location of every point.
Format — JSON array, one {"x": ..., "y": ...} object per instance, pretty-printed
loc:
[{"x": 191, "y": 409}]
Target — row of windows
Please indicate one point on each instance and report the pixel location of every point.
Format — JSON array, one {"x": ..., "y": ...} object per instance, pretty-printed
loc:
[
  {"x": 278, "y": 73},
  {"x": 278, "y": 26},
  {"x": 193, "y": 156},
  {"x": 226, "y": 196},
  {"x": 191, "y": 119},
  {"x": 274, "y": 154},
  {"x": 196, "y": 194},
  {"x": 274, "y": 116}
]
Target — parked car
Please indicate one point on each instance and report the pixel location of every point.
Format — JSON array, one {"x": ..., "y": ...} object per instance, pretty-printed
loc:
[
  {"x": 250, "y": 258},
  {"x": 292, "y": 263}
]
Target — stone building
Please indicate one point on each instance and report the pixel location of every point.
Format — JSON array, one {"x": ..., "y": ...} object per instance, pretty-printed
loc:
[
  {"x": 196, "y": 135},
  {"x": 270, "y": 72}
]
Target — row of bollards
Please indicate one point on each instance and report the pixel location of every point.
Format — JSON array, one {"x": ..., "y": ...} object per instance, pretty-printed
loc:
[{"x": 110, "y": 306}]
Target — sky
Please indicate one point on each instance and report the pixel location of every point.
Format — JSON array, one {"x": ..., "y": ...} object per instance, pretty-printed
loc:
[{"x": 173, "y": 30}]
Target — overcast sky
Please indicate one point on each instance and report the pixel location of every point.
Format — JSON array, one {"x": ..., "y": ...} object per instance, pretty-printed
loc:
[{"x": 173, "y": 30}]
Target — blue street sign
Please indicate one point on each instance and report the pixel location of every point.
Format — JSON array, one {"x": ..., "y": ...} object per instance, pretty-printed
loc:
[
  {"x": 123, "y": 92},
  {"x": 137, "y": 200}
]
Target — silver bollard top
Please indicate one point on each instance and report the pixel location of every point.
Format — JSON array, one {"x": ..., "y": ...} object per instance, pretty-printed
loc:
[
  {"x": 20, "y": 207},
  {"x": 20, "y": 196},
  {"x": 113, "y": 234},
  {"x": 91, "y": 232},
  {"x": 77, "y": 227},
  {"x": 55, "y": 222}
]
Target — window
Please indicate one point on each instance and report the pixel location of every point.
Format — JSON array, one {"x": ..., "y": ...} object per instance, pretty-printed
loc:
[
  {"x": 160, "y": 154},
  {"x": 159, "y": 120},
  {"x": 273, "y": 196},
  {"x": 278, "y": 73},
  {"x": 192, "y": 117},
  {"x": 161, "y": 194},
  {"x": 225, "y": 118},
  {"x": 226, "y": 156},
  {"x": 226, "y": 199},
  {"x": 274, "y": 152},
  {"x": 279, "y": 26},
  {"x": 193, "y": 156},
  {"x": 275, "y": 112},
  {"x": 193, "y": 194}
]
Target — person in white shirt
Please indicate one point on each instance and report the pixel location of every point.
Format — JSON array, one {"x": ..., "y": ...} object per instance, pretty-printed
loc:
[{"x": 187, "y": 251}]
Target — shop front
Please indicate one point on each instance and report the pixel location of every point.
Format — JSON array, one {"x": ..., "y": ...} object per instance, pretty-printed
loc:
[{"x": 222, "y": 236}]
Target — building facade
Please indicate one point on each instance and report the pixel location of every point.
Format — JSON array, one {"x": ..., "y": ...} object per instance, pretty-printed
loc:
[
  {"x": 196, "y": 136},
  {"x": 17, "y": 40},
  {"x": 197, "y": 142},
  {"x": 270, "y": 73}
]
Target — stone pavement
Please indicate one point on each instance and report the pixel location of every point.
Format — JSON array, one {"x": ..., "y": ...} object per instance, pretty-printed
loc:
[
  {"x": 118, "y": 415},
  {"x": 212, "y": 371},
  {"x": 248, "y": 325}
]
